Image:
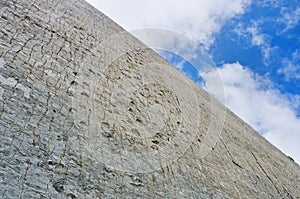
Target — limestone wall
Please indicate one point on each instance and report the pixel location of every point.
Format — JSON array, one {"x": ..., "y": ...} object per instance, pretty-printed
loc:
[{"x": 87, "y": 111}]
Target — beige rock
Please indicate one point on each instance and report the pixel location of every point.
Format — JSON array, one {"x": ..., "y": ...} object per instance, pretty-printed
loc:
[{"x": 97, "y": 114}]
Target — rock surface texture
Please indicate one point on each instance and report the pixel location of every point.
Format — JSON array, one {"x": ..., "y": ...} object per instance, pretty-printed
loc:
[{"x": 88, "y": 111}]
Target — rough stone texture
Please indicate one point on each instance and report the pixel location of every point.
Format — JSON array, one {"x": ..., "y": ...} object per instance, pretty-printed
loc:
[{"x": 88, "y": 111}]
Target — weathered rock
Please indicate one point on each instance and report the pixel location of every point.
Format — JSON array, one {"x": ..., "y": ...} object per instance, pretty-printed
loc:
[{"x": 86, "y": 111}]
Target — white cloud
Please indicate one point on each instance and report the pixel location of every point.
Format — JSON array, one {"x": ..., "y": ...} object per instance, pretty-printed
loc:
[
  {"x": 268, "y": 3},
  {"x": 260, "y": 40},
  {"x": 290, "y": 69},
  {"x": 289, "y": 18},
  {"x": 198, "y": 19},
  {"x": 180, "y": 65},
  {"x": 263, "y": 107},
  {"x": 256, "y": 38}
]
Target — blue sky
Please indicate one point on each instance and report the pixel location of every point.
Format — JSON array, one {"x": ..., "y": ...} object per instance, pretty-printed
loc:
[
  {"x": 254, "y": 44},
  {"x": 266, "y": 39}
]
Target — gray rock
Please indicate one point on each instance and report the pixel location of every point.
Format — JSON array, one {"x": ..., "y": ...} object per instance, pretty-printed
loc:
[{"x": 88, "y": 111}]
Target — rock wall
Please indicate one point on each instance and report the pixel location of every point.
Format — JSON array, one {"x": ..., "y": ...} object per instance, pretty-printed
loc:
[{"x": 88, "y": 111}]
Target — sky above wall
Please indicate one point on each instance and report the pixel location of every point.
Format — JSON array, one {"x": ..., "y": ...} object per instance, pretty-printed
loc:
[{"x": 255, "y": 46}]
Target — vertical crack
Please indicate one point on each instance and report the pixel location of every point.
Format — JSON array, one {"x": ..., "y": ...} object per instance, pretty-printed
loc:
[
  {"x": 263, "y": 170},
  {"x": 231, "y": 157}
]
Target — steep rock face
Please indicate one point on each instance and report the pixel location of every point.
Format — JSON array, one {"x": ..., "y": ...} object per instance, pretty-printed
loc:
[{"x": 86, "y": 110}]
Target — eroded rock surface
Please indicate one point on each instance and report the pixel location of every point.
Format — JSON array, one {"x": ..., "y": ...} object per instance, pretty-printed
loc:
[{"x": 88, "y": 111}]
